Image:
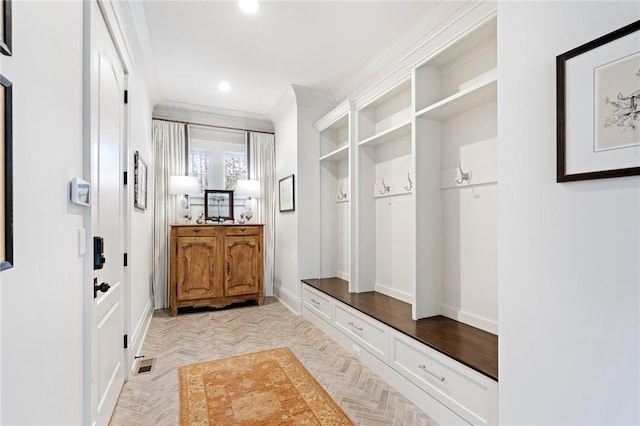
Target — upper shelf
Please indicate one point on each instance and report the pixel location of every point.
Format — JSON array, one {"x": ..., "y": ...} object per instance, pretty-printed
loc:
[
  {"x": 394, "y": 132},
  {"x": 475, "y": 95},
  {"x": 337, "y": 155}
]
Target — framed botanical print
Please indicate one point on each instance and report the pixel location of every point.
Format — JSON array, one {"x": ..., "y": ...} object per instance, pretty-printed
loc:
[
  {"x": 598, "y": 107},
  {"x": 287, "y": 198}
]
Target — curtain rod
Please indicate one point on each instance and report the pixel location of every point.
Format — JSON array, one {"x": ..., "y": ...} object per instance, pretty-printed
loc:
[{"x": 211, "y": 125}]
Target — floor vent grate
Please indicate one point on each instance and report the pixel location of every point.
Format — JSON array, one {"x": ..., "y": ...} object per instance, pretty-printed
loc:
[{"x": 145, "y": 366}]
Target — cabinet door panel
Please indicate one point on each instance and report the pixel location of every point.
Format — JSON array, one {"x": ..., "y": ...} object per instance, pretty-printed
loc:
[
  {"x": 242, "y": 255},
  {"x": 198, "y": 268}
]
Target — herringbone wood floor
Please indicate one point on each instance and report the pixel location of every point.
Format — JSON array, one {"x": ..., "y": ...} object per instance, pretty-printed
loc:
[{"x": 152, "y": 398}]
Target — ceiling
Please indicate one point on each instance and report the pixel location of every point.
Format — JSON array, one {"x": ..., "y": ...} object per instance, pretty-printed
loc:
[{"x": 318, "y": 44}]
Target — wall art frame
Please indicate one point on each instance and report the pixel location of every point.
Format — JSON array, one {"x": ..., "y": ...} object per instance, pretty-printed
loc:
[
  {"x": 287, "y": 193},
  {"x": 598, "y": 108},
  {"x": 218, "y": 204},
  {"x": 140, "y": 179},
  {"x": 6, "y": 174},
  {"x": 5, "y": 27}
]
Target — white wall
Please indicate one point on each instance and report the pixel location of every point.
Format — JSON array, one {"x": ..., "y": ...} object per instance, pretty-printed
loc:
[
  {"x": 298, "y": 232},
  {"x": 307, "y": 187},
  {"x": 569, "y": 254},
  {"x": 42, "y": 296},
  {"x": 286, "y": 241},
  {"x": 141, "y": 231}
]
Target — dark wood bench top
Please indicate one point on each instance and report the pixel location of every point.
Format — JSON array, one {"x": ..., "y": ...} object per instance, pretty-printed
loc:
[{"x": 475, "y": 348}]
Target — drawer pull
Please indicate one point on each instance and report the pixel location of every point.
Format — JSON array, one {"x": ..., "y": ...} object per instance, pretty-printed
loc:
[
  {"x": 315, "y": 302},
  {"x": 213, "y": 270},
  {"x": 355, "y": 326},
  {"x": 423, "y": 368},
  {"x": 197, "y": 230}
]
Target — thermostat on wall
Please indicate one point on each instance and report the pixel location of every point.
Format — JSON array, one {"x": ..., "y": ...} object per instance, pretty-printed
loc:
[{"x": 80, "y": 192}]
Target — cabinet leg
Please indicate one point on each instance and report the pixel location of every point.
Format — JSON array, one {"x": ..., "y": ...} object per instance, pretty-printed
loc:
[
  {"x": 173, "y": 312},
  {"x": 260, "y": 301}
]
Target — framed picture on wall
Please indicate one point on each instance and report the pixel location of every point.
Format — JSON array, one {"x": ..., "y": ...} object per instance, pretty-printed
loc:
[
  {"x": 5, "y": 27},
  {"x": 287, "y": 197},
  {"x": 6, "y": 174},
  {"x": 598, "y": 107},
  {"x": 140, "y": 171}
]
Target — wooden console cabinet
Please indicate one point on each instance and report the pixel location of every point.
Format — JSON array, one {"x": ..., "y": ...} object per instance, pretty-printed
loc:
[{"x": 216, "y": 265}]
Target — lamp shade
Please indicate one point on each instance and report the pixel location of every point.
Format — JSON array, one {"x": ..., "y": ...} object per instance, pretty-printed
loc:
[
  {"x": 248, "y": 188},
  {"x": 183, "y": 185}
]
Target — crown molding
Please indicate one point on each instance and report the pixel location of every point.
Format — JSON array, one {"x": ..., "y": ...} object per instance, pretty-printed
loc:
[
  {"x": 312, "y": 98},
  {"x": 212, "y": 116},
  {"x": 441, "y": 24},
  {"x": 334, "y": 115}
]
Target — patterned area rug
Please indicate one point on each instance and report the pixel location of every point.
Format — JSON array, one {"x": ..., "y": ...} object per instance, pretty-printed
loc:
[{"x": 262, "y": 388}]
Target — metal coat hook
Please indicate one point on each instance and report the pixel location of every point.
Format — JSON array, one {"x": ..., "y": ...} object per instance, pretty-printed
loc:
[
  {"x": 342, "y": 196},
  {"x": 410, "y": 187},
  {"x": 386, "y": 188},
  {"x": 463, "y": 175}
]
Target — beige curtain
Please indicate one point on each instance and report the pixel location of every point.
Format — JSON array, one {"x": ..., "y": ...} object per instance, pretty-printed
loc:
[
  {"x": 169, "y": 157},
  {"x": 262, "y": 167}
]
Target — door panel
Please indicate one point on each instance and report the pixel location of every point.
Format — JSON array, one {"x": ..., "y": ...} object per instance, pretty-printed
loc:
[
  {"x": 241, "y": 257},
  {"x": 198, "y": 268},
  {"x": 107, "y": 147}
]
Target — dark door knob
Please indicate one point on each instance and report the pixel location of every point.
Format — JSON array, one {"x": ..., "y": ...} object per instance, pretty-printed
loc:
[{"x": 104, "y": 287}]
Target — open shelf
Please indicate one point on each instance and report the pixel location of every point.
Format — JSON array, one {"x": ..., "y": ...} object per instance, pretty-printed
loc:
[
  {"x": 339, "y": 154},
  {"x": 467, "y": 99},
  {"x": 388, "y": 135}
]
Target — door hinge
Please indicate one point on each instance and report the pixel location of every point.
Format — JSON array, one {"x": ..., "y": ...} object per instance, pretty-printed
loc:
[
  {"x": 126, "y": 341},
  {"x": 126, "y": 97},
  {"x": 125, "y": 178},
  {"x": 126, "y": 260}
]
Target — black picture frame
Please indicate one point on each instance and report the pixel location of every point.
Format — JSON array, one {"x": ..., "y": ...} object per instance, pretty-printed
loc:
[
  {"x": 5, "y": 31},
  {"x": 287, "y": 193},
  {"x": 603, "y": 155},
  {"x": 218, "y": 204},
  {"x": 140, "y": 181},
  {"x": 6, "y": 198}
]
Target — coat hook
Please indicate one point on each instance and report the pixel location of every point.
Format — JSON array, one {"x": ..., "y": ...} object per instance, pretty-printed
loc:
[
  {"x": 342, "y": 196},
  {"x": 463, "y": 175},
  {"x": 408, "y": 188},
  {"x": 385, "y": 188}
]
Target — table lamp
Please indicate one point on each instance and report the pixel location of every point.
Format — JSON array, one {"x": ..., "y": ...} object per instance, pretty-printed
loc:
[
  {"x": 250, "y": 189},
  {"x": 184, "y": 185}
]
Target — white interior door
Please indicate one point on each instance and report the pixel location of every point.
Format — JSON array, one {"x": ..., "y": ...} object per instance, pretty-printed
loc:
[{"x": 107, "y": 124}]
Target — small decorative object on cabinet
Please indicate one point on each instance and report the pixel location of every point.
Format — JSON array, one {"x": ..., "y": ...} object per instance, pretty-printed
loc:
[{"x": 215, "y": 265}]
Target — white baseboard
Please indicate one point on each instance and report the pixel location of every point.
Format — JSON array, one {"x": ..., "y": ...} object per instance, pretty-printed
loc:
[
  {"x": 343, "y": 275},
  {"x": 391, "y": 292},
  {"x": 470, "y": 319},
  {"x": 287, "y": 298},
  {"x": 139, "y": 333}
]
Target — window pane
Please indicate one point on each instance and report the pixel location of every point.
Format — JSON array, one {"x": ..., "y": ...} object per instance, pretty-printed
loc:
[
  {"x": 199, "y": 167},
  {"x": 235, "y": 167}
]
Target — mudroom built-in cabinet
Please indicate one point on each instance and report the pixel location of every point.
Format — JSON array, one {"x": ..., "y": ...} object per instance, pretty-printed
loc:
[{"x": 408, "y": 196}]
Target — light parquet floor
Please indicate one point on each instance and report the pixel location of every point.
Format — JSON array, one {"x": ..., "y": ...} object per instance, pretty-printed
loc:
[{"x": 152, "y": 398}]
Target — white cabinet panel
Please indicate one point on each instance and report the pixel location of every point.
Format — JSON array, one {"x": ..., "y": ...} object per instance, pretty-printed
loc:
[
  {"x": 318, "y": 303},
  {"x": 363, "y": 330},
  {"x": 470, "y": 394}
]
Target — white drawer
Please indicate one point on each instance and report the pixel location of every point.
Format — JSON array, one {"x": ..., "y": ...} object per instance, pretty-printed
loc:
[
  {"x": 362, "y": 329},
  {"x": 468, "y": 393},
  {"x": 318, "y": 303}
]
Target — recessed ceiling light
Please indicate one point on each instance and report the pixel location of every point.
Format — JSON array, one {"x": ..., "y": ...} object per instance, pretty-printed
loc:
[
  {"x": 224, "y": 86},
  {"x": 248, "y": 6}
]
